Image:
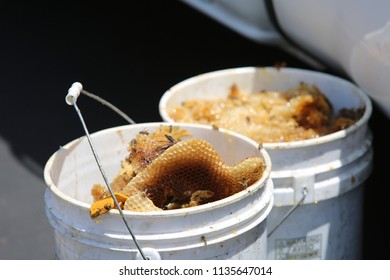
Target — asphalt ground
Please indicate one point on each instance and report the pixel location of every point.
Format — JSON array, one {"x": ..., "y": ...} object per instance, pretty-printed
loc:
[{"x": 128, "y": 54}]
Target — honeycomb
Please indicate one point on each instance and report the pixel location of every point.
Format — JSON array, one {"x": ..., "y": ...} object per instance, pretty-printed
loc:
[
  {"x": 298, "y": 113},
  {"x": 164, "y": 172}
]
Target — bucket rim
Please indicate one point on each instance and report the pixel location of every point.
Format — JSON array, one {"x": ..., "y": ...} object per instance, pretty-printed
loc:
[
  {"x": 261, "y": 183},
  {"x": 251, "y": 70}
]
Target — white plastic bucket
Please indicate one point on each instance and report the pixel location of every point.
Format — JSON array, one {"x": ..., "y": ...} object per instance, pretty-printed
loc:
[
  {"x": 332, "y": 168},
  {"x": 230, "y": 228}
]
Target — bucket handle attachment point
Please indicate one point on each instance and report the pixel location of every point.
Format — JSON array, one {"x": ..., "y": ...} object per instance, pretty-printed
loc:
[
  {"x": 304, "y": 184},
  {"x": 149, "y": 254},
  {"x": 292, "y": 209}
]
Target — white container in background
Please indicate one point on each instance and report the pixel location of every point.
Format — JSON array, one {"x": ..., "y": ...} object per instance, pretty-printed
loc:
[
  {"x": 332, "y": 169},
  {"x": 230, "y": 228},
  {"x": 351, "y": 36}
]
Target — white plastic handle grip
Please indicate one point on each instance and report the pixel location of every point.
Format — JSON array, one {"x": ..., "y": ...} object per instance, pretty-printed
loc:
[{"x": 73, "y": 93}]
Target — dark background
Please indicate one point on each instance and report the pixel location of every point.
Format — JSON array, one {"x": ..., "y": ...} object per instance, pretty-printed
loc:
[{"x": 128, "y": 53}]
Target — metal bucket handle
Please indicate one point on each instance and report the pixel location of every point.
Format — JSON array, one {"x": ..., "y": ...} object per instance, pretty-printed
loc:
[
  {"x": 71, "y": 99},
  {"x": 292, "y": 209}
]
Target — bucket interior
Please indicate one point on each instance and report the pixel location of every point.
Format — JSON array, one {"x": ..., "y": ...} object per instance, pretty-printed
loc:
[
  {"x": 341, "y": 93},
  {"x": 72, "y": 170}
]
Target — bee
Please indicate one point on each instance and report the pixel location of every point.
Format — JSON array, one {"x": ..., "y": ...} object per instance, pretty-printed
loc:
[
  {"x": 144, "y": 132},
  {"x": 203, "y": 239},
  {"x": 244, "y": 182},
  {"x": 133, "y": 142},
  {"x": 104, "y": 205},
  {"x": 170, "y": 138},
  {"x": 280, "y": 65}
]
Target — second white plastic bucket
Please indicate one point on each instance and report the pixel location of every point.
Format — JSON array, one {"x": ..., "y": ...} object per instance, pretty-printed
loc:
[
  {"x": 326, "y": 174},
  {"x": 230, "y": 228}
]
